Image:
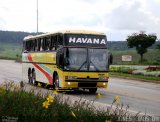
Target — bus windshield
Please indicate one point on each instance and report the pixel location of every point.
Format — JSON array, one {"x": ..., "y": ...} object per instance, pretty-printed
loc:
[{"x": 85, "y": 59}]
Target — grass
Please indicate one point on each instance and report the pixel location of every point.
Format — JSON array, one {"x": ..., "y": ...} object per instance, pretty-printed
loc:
[
  {"x": 29, "y": 106},
  {"x": 140, "y": 77},
  {"x": 152, "y": 57},
  {"x": 10, "y": 51}
]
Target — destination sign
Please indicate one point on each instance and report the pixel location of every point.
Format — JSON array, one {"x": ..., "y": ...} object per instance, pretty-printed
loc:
[{"x": 85, "y": 40}]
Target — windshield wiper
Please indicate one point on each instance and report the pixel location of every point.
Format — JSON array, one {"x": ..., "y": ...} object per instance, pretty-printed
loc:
[
  {"x": 94, "y": 66},
  {"x": 82, "y": 65},
  {"x": 85, "y": 63}
]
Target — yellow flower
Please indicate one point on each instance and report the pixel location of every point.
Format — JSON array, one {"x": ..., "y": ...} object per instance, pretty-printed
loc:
[
  {"x": 50, "y": 99},
  {"x": 116, "y": 99},
  {"x": 55, "y": 92},
  {"x": 39, "y": 84},
  {"x": 108, "y": 121},
  {"x": 98, "y": 95},
  {"x": 73, "y": 114},
  {"x": 46, "y": 104}
]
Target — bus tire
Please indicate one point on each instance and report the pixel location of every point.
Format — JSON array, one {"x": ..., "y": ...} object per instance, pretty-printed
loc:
[
  {"x": 29, "y": 76},
  {"x": 56, "y": 82},
  {"x": 92, "y": 90},
  {"x": 33, "y": 77}
]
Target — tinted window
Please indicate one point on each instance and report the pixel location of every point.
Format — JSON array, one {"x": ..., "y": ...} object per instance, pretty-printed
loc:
[
  {"x": 53, "y": 43},
  {"x": 48, "y": 43},
  {"x": 59, "y": 41}
]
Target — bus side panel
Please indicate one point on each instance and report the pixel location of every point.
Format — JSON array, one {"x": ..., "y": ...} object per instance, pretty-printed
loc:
[
  {"x": 43, "y": 73},
  {"x": 34, "y": 61},
  {"x": 45, "y": 66},
  {"x": 51, "y": 57},
  {"x": 25, "y": 72},
  {"x": 25, "y": 67}
]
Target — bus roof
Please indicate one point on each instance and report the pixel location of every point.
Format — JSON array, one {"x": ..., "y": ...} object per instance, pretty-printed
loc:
[{"x": 64, "y": 32}]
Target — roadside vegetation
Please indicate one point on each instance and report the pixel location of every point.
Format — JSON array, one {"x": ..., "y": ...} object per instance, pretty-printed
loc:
[
  {"x": 141, "y": 41},
  {"x": 11, "y": 46},
  {"x": 33, "y": 106},
  {"x": 10, "y": 51},
  {"x": 151, "y": 73},
  {"x": 152, "y": 57}
]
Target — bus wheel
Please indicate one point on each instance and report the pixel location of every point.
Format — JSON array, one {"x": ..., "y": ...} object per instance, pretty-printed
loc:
[
  {"x": 33, "y": 78},
  {"x": 92, "y": 90},
  {"x": 29, "y": 76},
  {"x": 56, "y": 83}
]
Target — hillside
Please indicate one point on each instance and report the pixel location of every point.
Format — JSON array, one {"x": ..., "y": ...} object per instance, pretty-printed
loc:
[
  {"x": 11, "y": 46},
  {"x": 13, "y": 37}
]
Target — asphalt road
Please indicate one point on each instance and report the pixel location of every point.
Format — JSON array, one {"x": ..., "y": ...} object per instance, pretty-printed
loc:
[{"x": 140, "y": 96}]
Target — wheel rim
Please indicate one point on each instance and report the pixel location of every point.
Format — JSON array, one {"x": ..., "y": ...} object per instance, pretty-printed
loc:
[
  {"x": 56, "y": 82},
  {"x": 33, "y": 78}
]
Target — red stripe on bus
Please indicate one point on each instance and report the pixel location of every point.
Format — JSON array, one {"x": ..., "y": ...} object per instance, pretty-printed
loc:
[{"x": 43, "y": 71}]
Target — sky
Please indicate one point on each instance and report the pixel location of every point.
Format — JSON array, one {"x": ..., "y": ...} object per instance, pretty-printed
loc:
[{"x": 116, "y": 18}]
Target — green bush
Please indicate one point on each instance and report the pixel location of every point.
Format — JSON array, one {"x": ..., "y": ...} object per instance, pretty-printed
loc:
[
  {"x": 28, "y": 107},
  {"x": 126, "y": 70}
]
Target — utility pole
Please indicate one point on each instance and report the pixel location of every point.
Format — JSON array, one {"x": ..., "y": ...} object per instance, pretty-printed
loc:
[{"x": 37, "y": 16}]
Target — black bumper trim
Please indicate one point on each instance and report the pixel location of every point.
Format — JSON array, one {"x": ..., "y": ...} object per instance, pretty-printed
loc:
[{"x": 86, "y": 80}]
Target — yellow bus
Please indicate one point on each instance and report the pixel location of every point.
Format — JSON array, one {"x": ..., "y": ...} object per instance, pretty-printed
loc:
[{"x": 68, "y": 59}]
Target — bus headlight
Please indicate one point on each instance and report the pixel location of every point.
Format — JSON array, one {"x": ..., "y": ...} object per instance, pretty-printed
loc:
[
  {"x": 69, "y": 83},
  {"x": 104, "y": 84}
]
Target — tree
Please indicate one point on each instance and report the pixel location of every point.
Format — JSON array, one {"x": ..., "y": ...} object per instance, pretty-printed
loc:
[{"x": 141, "y": 42}]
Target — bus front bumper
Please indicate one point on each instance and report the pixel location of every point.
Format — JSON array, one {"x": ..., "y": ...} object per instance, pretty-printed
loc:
[{"x": 86, "y": 83}]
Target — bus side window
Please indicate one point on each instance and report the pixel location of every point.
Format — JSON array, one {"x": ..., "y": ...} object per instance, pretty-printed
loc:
[
  {"x": 36, "y": 45},
  {"x": 44, "y": 44},
  {"x": 25, "y": 47},
  {"x": 60, "y": 58},
  {"x": 53, "y": 43},
  {"x": 48, "y": 43},
  {"x": 59, "y": 41},
  {"x": 29, "y": 45},
  {"x": 41, "y": 44},
  {"x": 33, "y": 45}
]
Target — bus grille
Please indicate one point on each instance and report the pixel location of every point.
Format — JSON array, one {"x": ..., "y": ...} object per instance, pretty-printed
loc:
[{"x": 87, "y": 85}]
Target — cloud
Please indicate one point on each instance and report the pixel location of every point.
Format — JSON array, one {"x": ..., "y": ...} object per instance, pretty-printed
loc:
[
  {"x": 127, "y": 17},
  {"x": 117, "y": 18},
  {"x": 134, "y": 16},
  {"x": 2, "y": 23},
  {"x": 2, "y": 20}
]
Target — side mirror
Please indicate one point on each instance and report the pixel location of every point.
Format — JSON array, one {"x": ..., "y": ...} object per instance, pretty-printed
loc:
[{"x": 110, "y": 58}]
